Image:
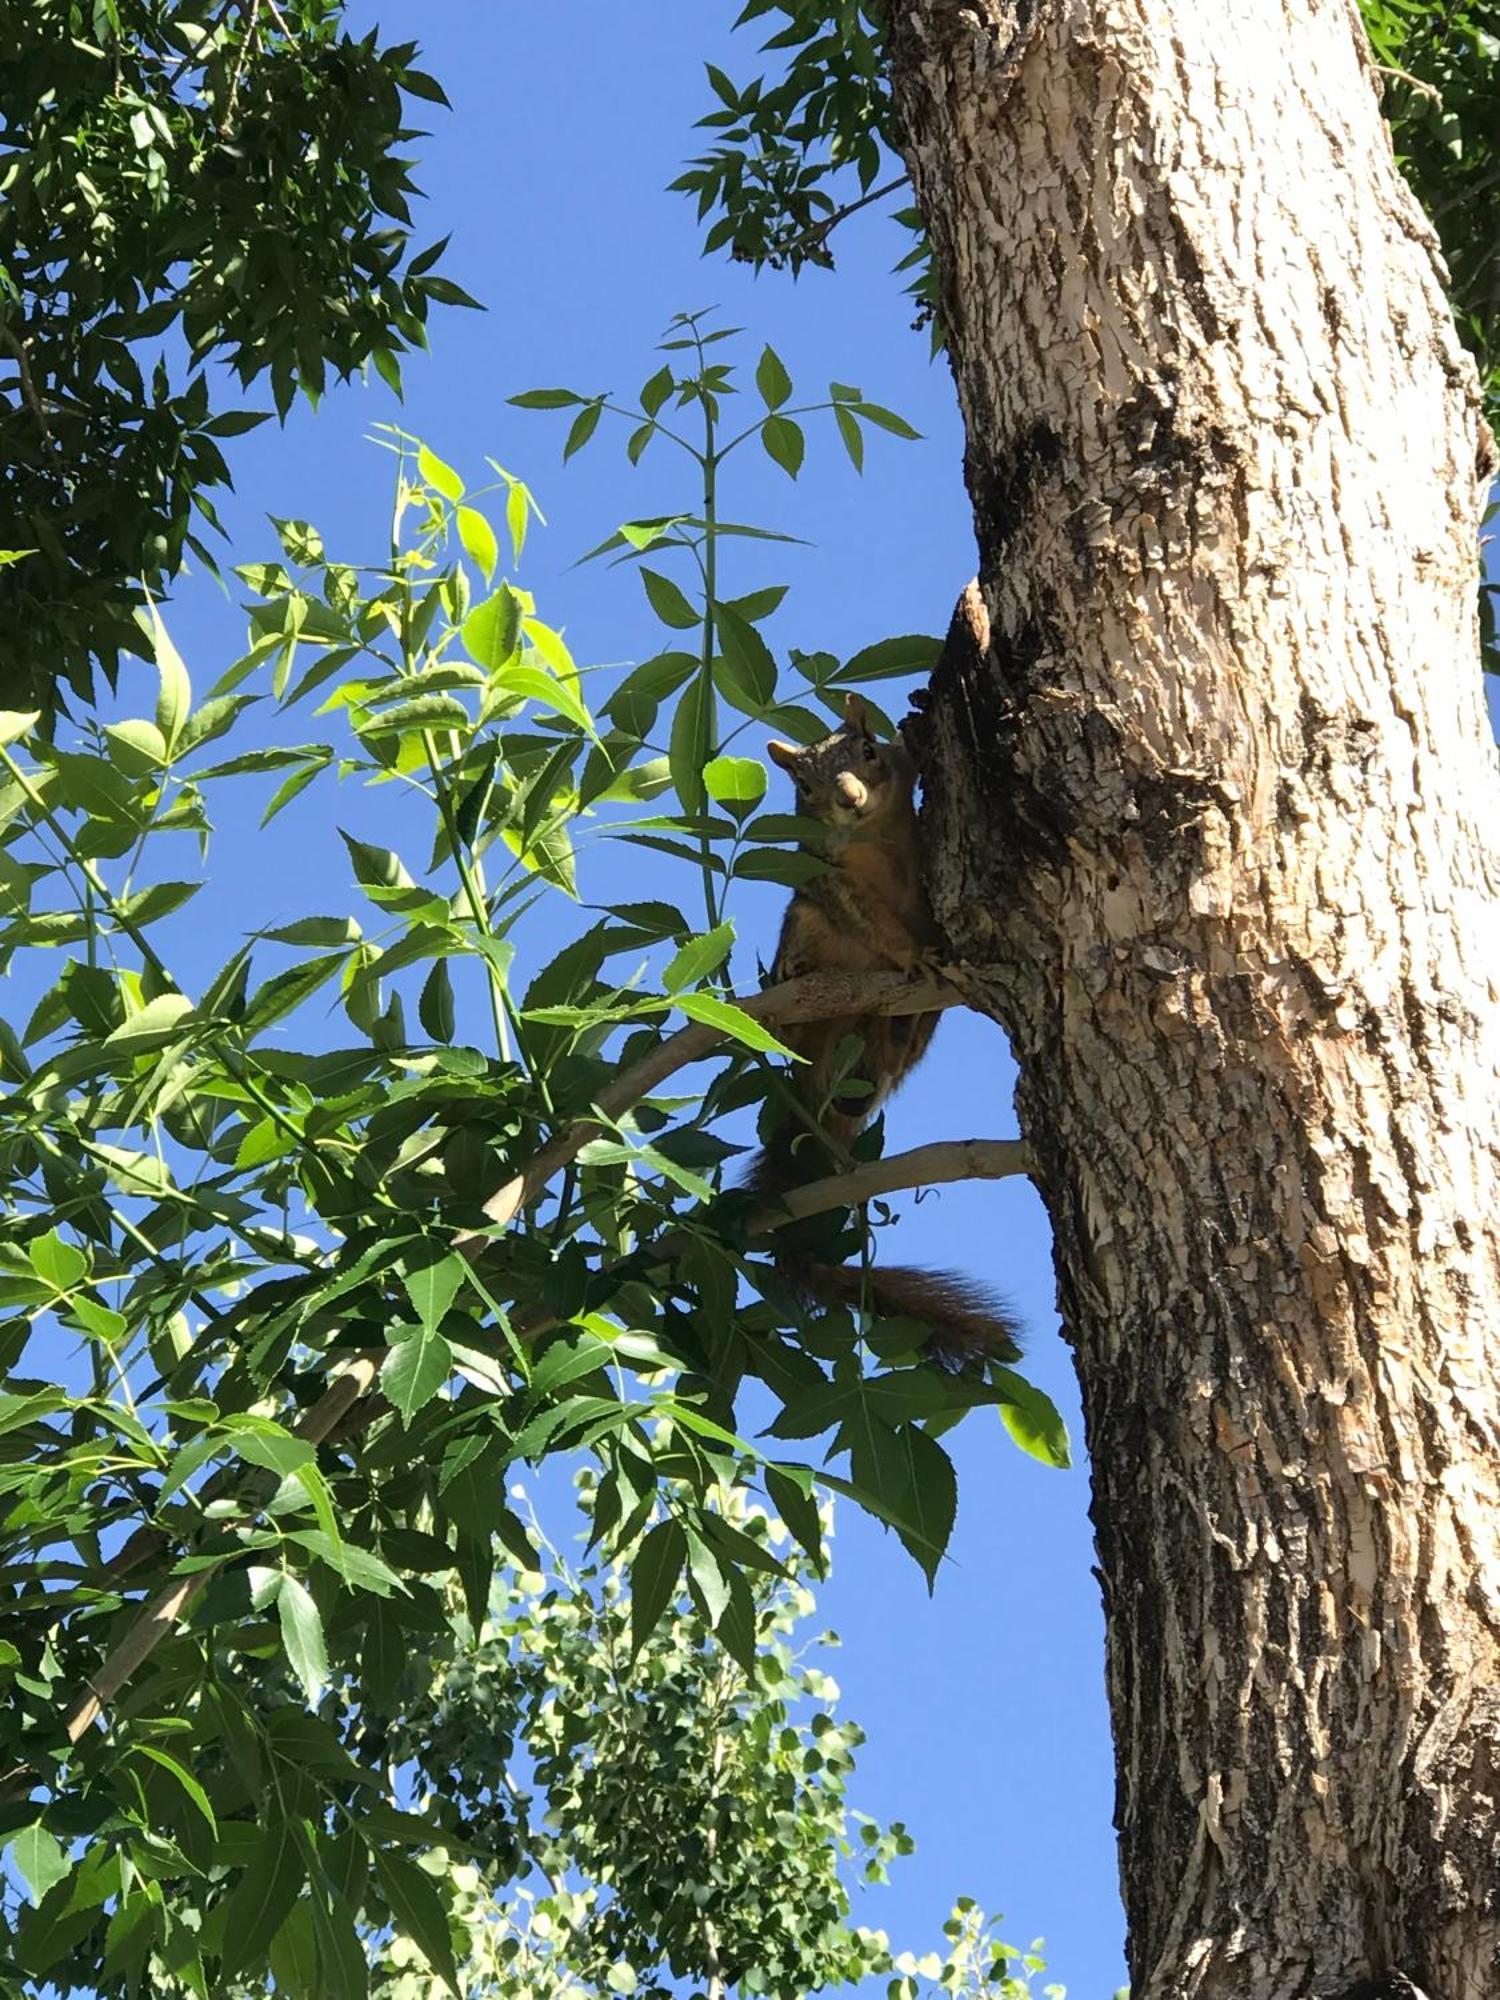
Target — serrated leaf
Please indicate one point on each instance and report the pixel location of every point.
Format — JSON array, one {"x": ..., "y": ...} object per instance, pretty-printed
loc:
[
  {"x": 259, "y": 1902},
  {"x": 772, "y": 380},
  {"x": 479, "y": 541},
  {"x": 694, "y": 727},
  {"x": 174, "y": 698},
  {"x": 418, "y": 1910},
  {"x": 39, "y": 1860},
  {"x": 545, "y": 399},
  {"x": 910, "y": 653},
  {"x": 159, "y": 1022},
  {"x": 699, "y": 957},
  {"x": 316, "y": 930},
  {"x": 582, "y": 429},
  {"x": 668, "y": 601},
  {"x": 784, "y": 443},
  {"x": 1034, "y": 1420},
  {"x": 376, "y": 867},
  {"x": 851, "y": 436},
  {"x": 184, "y": 1778},
  {"x": 439, "y": 474},
  {"x": 748, "y": 654},
  {"x": 887, "y": 420},
  {"x": 492, "y": 631},
  {"x": 654, "y": 1571},
  {"x": 414, "y": 1370},
  {"x": 432, "y": 1282},
  {"x": 302, "y": 1635},
  {"x": 435, "y": 1003},
  {"x": 732, "y": 1021}
]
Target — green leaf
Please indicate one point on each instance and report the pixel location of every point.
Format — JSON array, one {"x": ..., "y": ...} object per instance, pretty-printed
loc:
[
  {"x": 699, "y": 957},
  {"x": 872, "y": 413},
  {"x": 39, "y": 1860},
  {"x": 784, "y": 443},
  {"x": 174, "y": 699},
  {"x": 418, "y": 1910},
  {"x": 1033, "y": 1420},
  {"x": 582, "y": 429},
  {"x": 654, "y": 1571},
  {"x": 260, "y": 1900},
  {"x": 376, "y": 867},
  {"x": 732, "y": 1021},
  {"x": 655, "y": 391},
  {"x": 137, "y": 747},
  {"x": 260, "y": 1441},
  {"x": 159, "y": 1022},
  {"x": 302, "y": 1635},
  {"x": 316, "y": 930},
  {"x": 546, "y": 399},
  {"x": 912, "y": 653},
  {"x": 492, "y": 631},
  {"x": 735, "y": 781},
  {"x": 478, "y": 538},
  {"x": 621, "y": 1978},
  {"x": 433, "y": 1279},
  {"x": 694, "y": 727},
  {"x": 550, "y": 692},
  {"x": 414, "y": 1370},
  {"x": 438, "y": 474},
  {"x": 14, "y": 724},
  {"x": 60, "y": 1264},
  {"x": 184, "y": 1778},
  {"x": 149, "y": 905},
  {"x": 772, "y": 380},
  {"x": 852, "y": 436},
  {"x": 790, "y": 1493},
  {"x": 667, "y": 600},
  {"x": 747, "y": 653},
  {"x": 435, "y": 1004}
]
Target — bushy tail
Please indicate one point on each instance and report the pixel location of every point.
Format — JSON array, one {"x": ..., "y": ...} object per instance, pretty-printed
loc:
[{"x": 965, "y": 1322}]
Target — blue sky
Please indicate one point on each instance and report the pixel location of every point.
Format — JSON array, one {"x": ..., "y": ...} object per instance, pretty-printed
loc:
[{"x": 984, "y": 1706}]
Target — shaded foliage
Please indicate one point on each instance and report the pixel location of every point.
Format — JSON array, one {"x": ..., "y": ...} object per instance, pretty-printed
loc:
[{"x": 185, "y": 183}]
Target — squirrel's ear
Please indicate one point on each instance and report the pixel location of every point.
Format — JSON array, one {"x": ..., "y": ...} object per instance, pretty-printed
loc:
[
  {"x": 784, "y": 754},
  {"x": 855, "y": 713}
]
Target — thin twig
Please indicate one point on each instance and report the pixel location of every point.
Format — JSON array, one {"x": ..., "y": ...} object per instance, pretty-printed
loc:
[
  {"x": 16, "y": 346},
  {"x": 815, "y": 238},
  {"x": 1405, "y": 76}
]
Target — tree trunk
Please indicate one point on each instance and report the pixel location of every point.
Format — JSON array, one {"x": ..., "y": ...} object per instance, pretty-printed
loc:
[{"x": 1212, "y": 800}]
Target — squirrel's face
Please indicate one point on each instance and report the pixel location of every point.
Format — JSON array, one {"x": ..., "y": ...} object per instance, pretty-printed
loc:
[{"x": 848, "y": 779}]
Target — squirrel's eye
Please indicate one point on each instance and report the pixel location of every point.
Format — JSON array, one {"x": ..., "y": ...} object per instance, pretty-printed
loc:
[{"x": 868, "y": 751}]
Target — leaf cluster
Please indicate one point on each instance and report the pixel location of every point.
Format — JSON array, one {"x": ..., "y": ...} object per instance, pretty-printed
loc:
[
  {"x": 248, "y": 1375},
  {"x": 818, "y": 120},
  {"x": 198, "y": 182}
]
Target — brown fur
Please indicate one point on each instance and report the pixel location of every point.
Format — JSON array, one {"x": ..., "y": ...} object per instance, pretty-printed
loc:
[{"x": 867, "y": 913}]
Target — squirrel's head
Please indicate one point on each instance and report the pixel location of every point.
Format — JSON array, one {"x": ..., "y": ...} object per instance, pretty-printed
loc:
[{"x": 849, "y": 779}]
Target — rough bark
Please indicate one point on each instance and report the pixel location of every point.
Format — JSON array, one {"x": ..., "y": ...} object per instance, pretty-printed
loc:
[{"x": 1215, "y": 798}]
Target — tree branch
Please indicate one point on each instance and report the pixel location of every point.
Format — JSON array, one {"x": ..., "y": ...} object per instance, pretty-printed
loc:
[
  {"x": 814, "y": 240},
  {"x": 817, "y": 997},
  {"x": 923, "y": 1166}
]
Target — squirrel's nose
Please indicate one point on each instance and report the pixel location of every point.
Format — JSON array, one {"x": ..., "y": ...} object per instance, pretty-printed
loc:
[{"x": 851, "y": 791}]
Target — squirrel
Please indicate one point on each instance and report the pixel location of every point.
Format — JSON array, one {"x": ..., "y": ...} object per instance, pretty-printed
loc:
[{"x": 866, "y": 912}]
